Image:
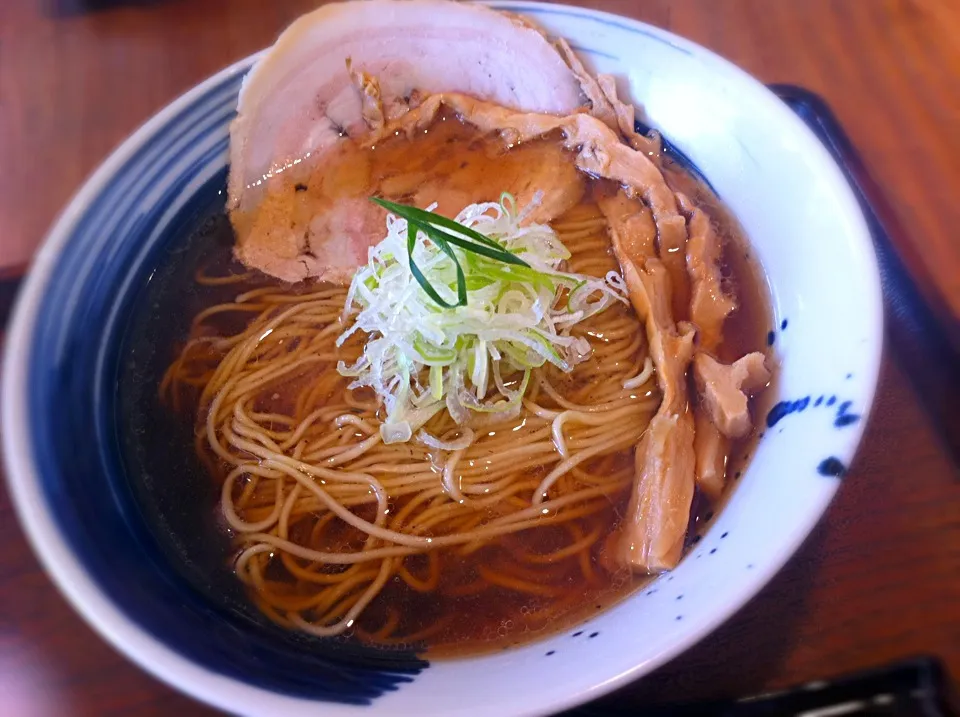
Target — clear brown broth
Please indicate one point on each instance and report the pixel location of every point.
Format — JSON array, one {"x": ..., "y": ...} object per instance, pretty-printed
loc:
[{"x": 496, "y": 617}]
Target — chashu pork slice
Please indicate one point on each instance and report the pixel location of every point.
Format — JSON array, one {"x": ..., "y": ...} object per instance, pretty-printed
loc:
[
  {"x": 276, "y": 242},
  {"x": 300, "y": 99},
  {"x": 323, "y": 225}
]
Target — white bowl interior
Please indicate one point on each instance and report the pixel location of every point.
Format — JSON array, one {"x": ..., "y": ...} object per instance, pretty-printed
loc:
[{"x": 811, "y": 239}]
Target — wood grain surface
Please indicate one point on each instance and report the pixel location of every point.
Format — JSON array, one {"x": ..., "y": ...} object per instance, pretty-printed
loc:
[{"x": 880, "y": 577}]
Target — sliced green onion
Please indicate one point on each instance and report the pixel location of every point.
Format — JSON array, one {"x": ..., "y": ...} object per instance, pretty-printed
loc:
[
  {"x": 424, "y": 217},
  {"x": 432, "y": 225},
  {"x": 428, "y": 349}
]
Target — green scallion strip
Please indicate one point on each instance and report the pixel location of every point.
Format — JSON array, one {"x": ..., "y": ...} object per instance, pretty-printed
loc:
[
  {"x": 498, "y": 254},
  {"x": 434, "y": 227},
  {"x": 423, "y": 217},
  {"x": 418, "y": 275}
]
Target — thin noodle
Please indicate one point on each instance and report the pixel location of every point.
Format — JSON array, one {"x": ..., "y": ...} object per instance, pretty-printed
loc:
[{"x": 325, "y": 515}]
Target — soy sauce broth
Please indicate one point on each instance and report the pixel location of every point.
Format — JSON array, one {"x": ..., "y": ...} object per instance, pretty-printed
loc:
[{"x": 179, "y": 497}]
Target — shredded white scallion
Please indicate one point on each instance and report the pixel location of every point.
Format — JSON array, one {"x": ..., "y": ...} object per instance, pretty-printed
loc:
[{"x": 473, "y": 360}]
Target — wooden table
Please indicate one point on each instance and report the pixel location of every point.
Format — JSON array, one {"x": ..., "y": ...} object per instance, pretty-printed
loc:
[{"x": 880, "y": 577}]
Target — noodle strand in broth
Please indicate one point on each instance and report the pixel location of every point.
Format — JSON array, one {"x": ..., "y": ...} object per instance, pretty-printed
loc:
[{"x": 335, "y": 530}]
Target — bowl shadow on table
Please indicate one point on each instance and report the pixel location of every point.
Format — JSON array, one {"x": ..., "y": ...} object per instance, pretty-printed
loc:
[
  {"x": 757, "y": 649},
  {"x": 743, "y": 655}
]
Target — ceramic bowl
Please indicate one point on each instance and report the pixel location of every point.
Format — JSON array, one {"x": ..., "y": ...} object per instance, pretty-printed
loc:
[{"x": 74, "y": 496}]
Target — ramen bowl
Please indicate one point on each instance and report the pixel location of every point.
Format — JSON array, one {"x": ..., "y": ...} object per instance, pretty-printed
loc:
[{"x": 76, "y": 498}]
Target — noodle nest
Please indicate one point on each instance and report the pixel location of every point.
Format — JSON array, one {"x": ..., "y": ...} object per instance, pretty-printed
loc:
[{"x": 324, "y": 514}]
